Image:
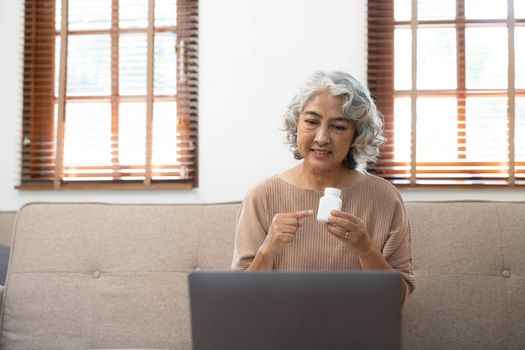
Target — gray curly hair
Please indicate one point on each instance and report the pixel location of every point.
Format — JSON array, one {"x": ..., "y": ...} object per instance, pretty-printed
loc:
[{"x": 357, "y": 106}]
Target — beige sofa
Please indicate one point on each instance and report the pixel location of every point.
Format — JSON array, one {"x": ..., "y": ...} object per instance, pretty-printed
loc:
[{"x": 104, "y": 276}]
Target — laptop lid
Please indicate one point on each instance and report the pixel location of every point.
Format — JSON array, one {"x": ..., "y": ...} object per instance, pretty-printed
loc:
[{"x": 296, "y": 310}]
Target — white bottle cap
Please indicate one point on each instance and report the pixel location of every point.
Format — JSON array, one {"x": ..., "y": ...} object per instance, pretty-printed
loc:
[{"x": 333, "y": 191}]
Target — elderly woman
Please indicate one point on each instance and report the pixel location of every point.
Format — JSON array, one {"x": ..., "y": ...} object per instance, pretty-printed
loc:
[{"x": 334, "y": 126}]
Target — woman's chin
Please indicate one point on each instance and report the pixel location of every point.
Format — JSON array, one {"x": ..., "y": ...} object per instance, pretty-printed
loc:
[{"x": 322, "y": 164}]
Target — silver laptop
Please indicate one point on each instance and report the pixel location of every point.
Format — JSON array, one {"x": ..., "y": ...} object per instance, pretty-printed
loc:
[{"x": 296, "y": 310}]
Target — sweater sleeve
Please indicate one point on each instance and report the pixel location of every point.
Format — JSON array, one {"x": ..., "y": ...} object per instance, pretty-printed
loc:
[
  {"x": 398, "y": 247},
  {"x": 251, "y": 230}
]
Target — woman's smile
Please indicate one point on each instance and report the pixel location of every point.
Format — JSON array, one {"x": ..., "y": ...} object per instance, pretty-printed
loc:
[{"x": 321, "y": 154}]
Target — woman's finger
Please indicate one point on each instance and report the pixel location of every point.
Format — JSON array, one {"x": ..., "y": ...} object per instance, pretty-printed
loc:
[
  {"x": 302, "y": 214},
  {"x": 344, "y": 223},
  {"x": 292, "y": 217},
  {"x": 345, "y": 215},
  {"x": 337, "y": 231},
  {"x": 288, "y": 228}
]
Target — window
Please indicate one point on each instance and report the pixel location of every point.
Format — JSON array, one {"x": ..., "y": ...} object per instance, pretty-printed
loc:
[
  {"x": 449, "y": 78},
  {"x": 109, "y": 94}
]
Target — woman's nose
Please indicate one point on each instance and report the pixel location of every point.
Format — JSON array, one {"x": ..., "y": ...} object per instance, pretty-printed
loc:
[{"x": 322, "y": 136}]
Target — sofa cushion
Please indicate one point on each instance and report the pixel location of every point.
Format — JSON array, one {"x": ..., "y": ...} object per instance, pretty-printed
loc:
[
  {"x": 109, "y": 276},
  {"x": 469, "y": 268}
]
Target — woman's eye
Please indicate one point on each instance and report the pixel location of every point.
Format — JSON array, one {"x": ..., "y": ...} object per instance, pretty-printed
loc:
[
  {"x": 311, "y": 122},
  {"x": 340, "y": 127}
]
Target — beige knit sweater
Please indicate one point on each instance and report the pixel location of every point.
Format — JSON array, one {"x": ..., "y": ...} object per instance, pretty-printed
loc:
[{"x": 372, "y": 199}]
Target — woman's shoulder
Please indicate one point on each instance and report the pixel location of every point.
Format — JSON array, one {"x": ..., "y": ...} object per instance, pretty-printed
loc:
[
  {"x": 379, "y": 181},
  {"x": 379, "y": 185},
  {"x": 266, "y": 186}
]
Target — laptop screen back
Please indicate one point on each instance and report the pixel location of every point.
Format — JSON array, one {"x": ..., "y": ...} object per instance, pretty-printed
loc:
[{"x": 295, "y": 310}]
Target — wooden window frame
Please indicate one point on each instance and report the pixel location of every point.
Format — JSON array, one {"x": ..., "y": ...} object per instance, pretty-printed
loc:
[
  {"x": 381, "y": 27},
  {"x": 42, "y": 152}
]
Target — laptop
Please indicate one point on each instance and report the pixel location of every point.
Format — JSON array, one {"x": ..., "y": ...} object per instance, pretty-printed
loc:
[{"x": 296, "y": 310}]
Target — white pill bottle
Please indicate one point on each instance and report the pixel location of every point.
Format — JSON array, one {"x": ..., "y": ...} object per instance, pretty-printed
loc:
[{"x": 330, "y": 201}]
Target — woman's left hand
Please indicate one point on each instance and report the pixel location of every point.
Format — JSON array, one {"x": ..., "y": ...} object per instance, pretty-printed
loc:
[{"x": 350, "y": 230}]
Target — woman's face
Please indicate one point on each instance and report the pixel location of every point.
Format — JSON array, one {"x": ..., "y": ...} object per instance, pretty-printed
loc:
[{"x": 324, "y": 134}]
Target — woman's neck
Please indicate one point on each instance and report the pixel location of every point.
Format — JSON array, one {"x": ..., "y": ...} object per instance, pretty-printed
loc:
[{"x": 319, "y": 180}]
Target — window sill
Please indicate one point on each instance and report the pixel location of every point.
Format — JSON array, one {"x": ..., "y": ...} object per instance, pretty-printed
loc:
[{"x": 106, "y": 186}]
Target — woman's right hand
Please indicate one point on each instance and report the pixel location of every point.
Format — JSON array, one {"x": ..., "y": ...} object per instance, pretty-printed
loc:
[{"x": 283, "y": 229}]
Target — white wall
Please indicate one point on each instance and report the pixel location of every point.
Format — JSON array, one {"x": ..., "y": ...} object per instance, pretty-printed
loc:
[{"x": 253, "y": 54}]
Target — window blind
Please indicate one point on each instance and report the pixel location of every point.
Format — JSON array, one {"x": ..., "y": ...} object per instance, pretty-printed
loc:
[
  {"x": 110, "y": 94},
  {"x": 448, "y": 77}
]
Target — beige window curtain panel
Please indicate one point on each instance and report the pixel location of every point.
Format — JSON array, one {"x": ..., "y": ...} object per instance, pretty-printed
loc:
[
  {"x": 450, "y": 83},
  {"x": 109, "y": 94}
]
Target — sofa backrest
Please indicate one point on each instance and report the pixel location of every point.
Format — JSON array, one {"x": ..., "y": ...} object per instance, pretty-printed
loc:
[{"x": 115, "y": 275}]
